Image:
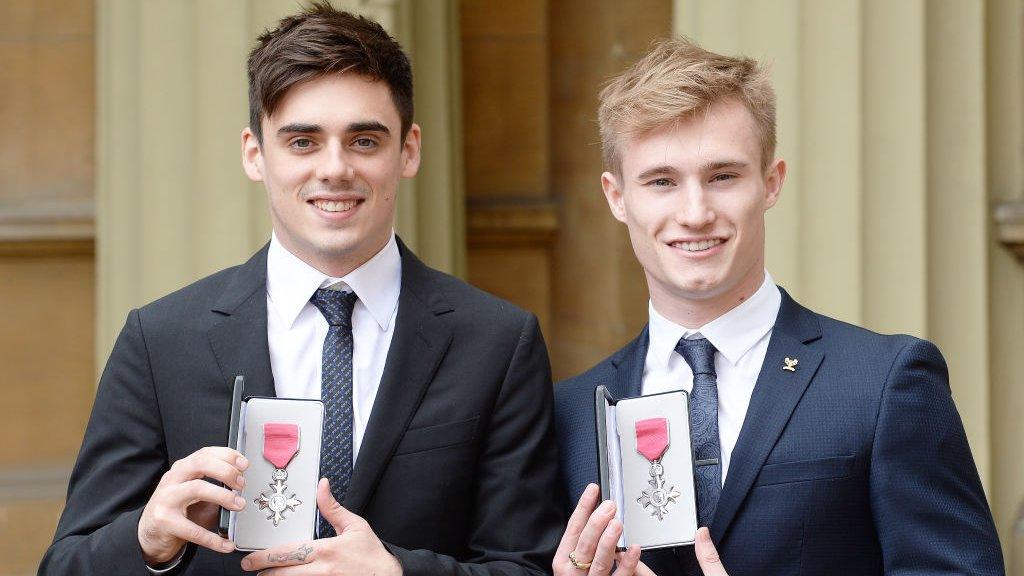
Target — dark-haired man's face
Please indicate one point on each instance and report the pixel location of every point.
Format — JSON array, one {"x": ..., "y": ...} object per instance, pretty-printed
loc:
[{"x": 331, "y": 160}]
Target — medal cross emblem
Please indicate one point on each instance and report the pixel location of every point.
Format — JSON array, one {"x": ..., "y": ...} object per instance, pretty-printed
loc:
[
  {"x": 790, "y": 364},
  {"x": 657, "y": 496},
  {"x": 277, "y": 501}
]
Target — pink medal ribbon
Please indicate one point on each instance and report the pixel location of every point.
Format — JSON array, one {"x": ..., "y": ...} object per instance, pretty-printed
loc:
[
  {"x": 652, "y": 437},
  {"x": 280, "y": 443},
  {"x": 652, "y": 442}
]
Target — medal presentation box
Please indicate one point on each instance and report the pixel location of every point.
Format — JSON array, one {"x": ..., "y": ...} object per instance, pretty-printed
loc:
[
  {"x": 645, "y": 459},
  {"x": 281, "y": 439}
]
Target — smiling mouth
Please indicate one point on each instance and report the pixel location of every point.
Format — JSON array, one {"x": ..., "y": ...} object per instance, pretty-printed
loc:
[
  {"x": 699, "y": 246},
  {"x": 336, "y": 205}
]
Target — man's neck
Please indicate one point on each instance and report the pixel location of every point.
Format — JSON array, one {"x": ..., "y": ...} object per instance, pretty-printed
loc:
[
  {"x": 333, "y": 265},
  {"x": 695, "y": 313}
]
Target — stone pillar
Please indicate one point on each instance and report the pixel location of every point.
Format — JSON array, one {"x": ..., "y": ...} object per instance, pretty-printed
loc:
[
  {"x": 600, "y": 297},
  {"x": 1004, "y": 90}
]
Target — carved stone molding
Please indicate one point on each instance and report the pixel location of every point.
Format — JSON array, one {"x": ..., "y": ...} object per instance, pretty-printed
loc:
[
  {"x": 45, "y": 482},
  {"x": 1009, "y": 221},
  {"x": 511, "y": 222},
  {"x": 58, "y": 220},
  {"x": 46, "y": 228}
]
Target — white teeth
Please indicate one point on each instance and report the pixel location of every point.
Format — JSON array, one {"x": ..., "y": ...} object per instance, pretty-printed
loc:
[
  {"x": 329, "y": 206},
  {"x": 698, "y": 246}
]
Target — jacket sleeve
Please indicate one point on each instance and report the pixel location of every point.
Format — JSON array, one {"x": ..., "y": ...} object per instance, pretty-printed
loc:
[
  {"x": 121, "y": 461},
  {"x": 928, "y": 504},
  {"x": 518, "y": 520}
]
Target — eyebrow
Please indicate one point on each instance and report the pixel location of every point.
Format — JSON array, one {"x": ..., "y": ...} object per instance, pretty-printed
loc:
[
  {"x": 303, "y": 128},
  {"x": 666, "y": 170},
  {"x": 368, "y": 126},
  {"x": 712, "y": 166},
  {"x": 299, "y": 128}
]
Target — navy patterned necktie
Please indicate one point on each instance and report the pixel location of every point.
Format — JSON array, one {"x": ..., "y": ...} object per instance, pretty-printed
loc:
[
  {"x": 707, "y": 450},
  {"x": 336, "y": 393}
]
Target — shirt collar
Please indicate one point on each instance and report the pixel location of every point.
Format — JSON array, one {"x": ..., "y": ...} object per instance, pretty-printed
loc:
[
  {"x": 733, "y": 334},
  {"x": 292, "y": 282}
]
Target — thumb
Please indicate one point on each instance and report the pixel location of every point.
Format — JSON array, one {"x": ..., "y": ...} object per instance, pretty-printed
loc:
[
  {"x": 331, "y": 509},
  {"x": 707, "y": 555}
]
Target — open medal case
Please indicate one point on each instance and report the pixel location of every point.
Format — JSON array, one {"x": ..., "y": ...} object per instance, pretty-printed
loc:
[
  {"x": 281, "y": 439},
  {"x": 645, "y": 460}
]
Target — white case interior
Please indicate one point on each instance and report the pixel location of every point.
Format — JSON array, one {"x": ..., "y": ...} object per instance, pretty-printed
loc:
[
  {"x": 250, "y": 528},
  {"x": 629, "y": 471}
]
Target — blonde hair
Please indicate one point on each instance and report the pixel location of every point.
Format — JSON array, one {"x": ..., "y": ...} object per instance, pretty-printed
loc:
[{"x": 676, "y": 79}]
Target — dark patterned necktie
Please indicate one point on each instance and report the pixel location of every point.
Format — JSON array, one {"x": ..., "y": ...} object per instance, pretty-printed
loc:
[
  {"x": 336, "y": 393},
  {"x": 707, "y": 450}
]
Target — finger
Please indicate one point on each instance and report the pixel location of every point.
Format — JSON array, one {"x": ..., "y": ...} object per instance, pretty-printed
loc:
[
  {"x": 339, "y": 516},
  {"x": 193, "y": 491},
  {"x": 627, "y": 562},
  {"x": 707, "y": 555},
  {"x": 278, "y": 556},
  {"x": 604, "y": 555},
  {"x": 226, "y": 473},
  {"x": 587, "y": 543},
  {"x": 218, "y": 462},
  {"x": 181, "y": 527},
  {"x": 588, "y": 501},
  {"x": 643, "y": 570}
]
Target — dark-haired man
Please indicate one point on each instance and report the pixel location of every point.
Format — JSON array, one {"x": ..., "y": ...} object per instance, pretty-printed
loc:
[{"x": 439, "y": 454}]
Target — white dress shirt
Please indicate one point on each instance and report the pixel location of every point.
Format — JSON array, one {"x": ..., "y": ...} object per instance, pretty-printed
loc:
[
  {"x": 296, "y": 329},
  {"x": 741, "y": 337}
]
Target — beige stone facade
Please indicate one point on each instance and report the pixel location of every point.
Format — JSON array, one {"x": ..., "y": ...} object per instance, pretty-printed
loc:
[{"x": 902, "y": 122}]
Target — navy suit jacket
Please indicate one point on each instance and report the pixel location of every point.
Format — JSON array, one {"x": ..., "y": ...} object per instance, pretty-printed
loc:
[{"x": 856, "y": 464}]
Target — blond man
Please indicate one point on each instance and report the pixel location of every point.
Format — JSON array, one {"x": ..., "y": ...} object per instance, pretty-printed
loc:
[{"x": 825, "y": 448}]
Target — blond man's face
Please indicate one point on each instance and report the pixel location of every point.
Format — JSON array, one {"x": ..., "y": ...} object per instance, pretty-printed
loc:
[{"x": 693, "y": 196}]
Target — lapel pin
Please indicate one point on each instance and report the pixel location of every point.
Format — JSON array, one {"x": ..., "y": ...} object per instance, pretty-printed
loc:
[{"x": 790, "y": 364}]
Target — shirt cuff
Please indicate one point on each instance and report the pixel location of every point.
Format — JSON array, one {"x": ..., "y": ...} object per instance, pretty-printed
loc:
[{"x": 170, "y": 565}]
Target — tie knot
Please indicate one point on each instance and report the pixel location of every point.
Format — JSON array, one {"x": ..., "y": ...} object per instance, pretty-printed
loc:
[
  {"x": 699, "y": 354},
  {"x": 335, "y": 305}
]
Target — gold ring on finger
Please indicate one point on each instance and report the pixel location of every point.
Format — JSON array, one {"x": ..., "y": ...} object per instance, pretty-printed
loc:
[{"x": 578, "y": 564}]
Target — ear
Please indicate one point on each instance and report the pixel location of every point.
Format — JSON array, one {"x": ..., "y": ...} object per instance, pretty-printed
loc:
[
  {"x": 773, "y": 182},
  {"x": 252, "y": 156},
  {"x": 612, "y": 187},
  {"x": 411, "y": 152}
]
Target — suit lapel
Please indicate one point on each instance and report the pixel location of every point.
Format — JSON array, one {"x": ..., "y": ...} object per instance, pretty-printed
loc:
[
  {"x": 420, "y": 341},
  {"x": 239, "y": 340},
  {"x": 776, "y": 394},
  {"x": 629, "y": 368}
]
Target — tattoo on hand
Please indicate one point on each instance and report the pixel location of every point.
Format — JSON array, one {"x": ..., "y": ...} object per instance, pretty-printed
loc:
[{"x": 299, "y": 554}]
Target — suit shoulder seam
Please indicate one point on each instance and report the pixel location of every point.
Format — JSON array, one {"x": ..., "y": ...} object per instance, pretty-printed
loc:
[
  {"x": 149, "y": 366},
  {"x": 886, "y": 386}
]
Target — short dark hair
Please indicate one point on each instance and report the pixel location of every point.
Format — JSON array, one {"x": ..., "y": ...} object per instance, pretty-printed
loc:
[{"x": 322, "y": 40}]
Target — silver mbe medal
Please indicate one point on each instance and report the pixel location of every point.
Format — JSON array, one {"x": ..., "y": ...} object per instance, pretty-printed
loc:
[
  {"x": 652, "y": 443},
  {"x": 280, "y": 444}
]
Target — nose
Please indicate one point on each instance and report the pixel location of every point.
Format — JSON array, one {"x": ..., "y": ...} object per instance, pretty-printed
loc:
[
  {"x": 694, "y": 209},
  {"x": 334, "y": 167}
]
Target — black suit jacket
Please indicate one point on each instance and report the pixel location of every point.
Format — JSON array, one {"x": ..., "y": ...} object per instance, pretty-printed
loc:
[
  {"x": 457, "y": 468},
  {"x": 855, "y": 464}
]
